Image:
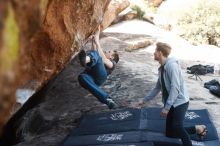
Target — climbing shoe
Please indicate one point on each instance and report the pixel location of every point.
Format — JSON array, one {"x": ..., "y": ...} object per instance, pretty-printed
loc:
[{"x": 111, "y": 104}]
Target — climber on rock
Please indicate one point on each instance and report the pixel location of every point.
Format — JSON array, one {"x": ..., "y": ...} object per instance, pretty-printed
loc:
[{"x": 98, "y": 65}]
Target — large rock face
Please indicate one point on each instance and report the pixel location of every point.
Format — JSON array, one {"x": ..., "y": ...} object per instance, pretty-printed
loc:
[
  {"x": 115, "y": 7},
  {"x": 6, "y": 77},
  {"x": 67, "y": 24},
  {"x": 3, "y": 12},
  {"x": 51, "y": 33},
  {"x": 156, "y": 3}
]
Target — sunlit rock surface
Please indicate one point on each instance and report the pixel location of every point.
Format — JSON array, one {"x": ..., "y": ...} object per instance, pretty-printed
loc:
[{"x": 50, "y": 33}]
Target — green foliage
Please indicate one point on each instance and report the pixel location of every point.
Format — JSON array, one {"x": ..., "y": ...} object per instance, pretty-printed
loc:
[
  {"x": 201, "y": 24},
  {"x": 10, "y": 41},
  {"x": 139, "y": 11}
]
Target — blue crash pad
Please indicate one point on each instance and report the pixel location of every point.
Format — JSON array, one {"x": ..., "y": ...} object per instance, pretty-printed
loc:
[
  {"x": 120, "y": 128},
  {"x": 192, "y": 116},
  {"x": 159, "y": 139},
  {"x": 111, "y": 117},
  {"x": 129, "y": 144},
  {"x": 155, "y": 123},
  {"x": 109, "y": 122},
  {"x": 111, "y": 138},
  {"x": 108, "y": 128}
]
